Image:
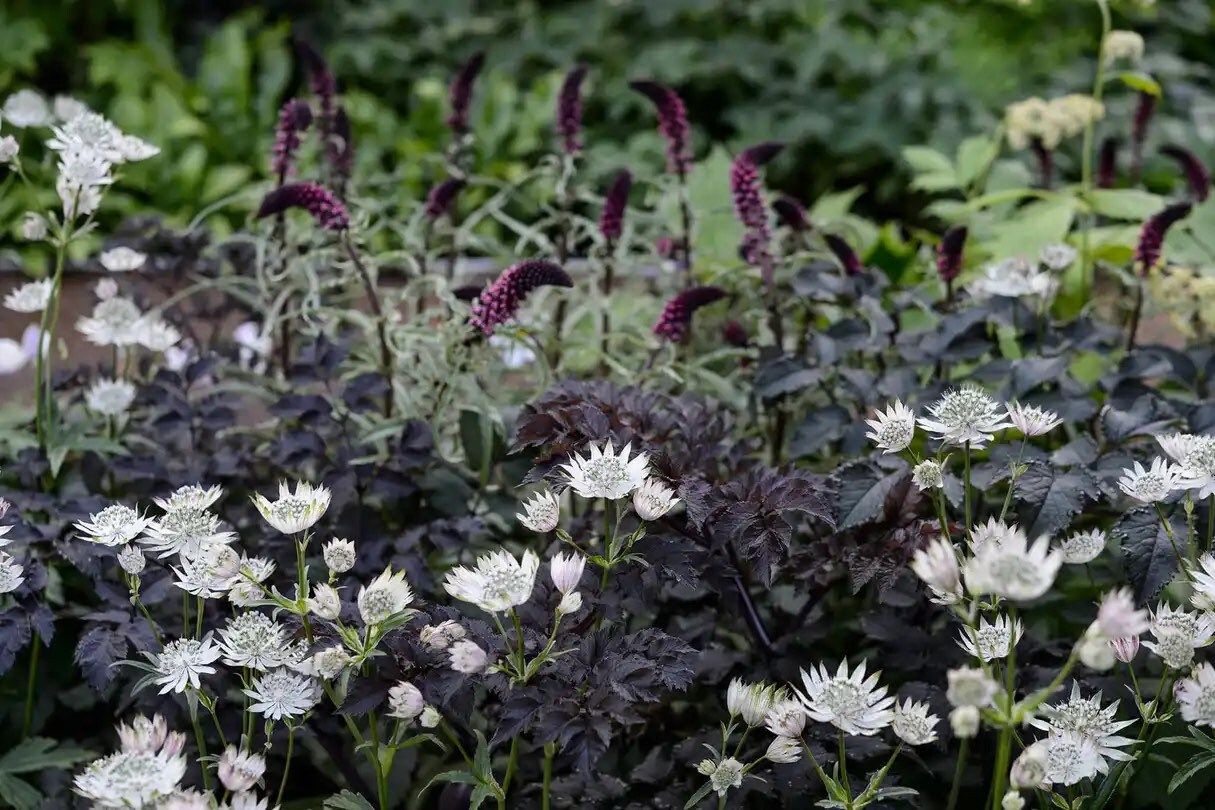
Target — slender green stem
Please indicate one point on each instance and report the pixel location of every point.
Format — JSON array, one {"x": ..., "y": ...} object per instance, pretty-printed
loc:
[
  {"x": 511, "y": 761},
  {"x": 958, "y": 770},
  {"x": 27, "y": 722},
  {"x": 198, "y": 618},
  {"x": 966, "y": 487},
  {"x": 547, "y": 783},
  {"x": 381, "y": 778},
  {"x": 42, "y": 359},
  {"x": 1004, "y": 746},
  {"x": 843, "y": 755},
  {"x": 1210, "y": 521},
  {"x": 301, "y": 580},
  {"x": 1012, "y": 481},
  {"x": 278, "y": 801},
  {"x": 200, "y": 741},
  {"x": 185, "y": 614}
]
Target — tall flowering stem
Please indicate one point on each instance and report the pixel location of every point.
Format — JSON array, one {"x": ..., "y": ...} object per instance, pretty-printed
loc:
[
  {"x": 569, "y": 110},
  {"x": 673, "y": 125},
  {"x": 44, "y": 407},
  {"x": 1086, "y": 154}
]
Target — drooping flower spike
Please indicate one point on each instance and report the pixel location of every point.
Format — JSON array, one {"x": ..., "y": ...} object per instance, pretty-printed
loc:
[
  {"x": 791, "y": 213},
  {"x": 1107, "y": 163},
  {"x": 460, "y": 92},
  {"x": 442, "y": 197},
  {"x": 500, "y": 302},
  {"x": 318, "y": 201},
  {"x": 611, "y": 219},
  {"x": 949, "y": 253},
  {"x": 294, "y": 118},
  {"x": 676, "y": 318},
  {"x": 672, "y": 123},
  {"x": 845, "y": 254},
  {"x": 749, "y": 202},
  {"x": 569, "y": 110},
  {"x": 1197, "y": 177}
]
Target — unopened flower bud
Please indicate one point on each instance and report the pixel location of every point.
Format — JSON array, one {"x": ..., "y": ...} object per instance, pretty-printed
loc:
[
  {"x": 570, "y": 603},
  {"x": 1125, "y": 648},
  {"x": 965, "y": 721}
]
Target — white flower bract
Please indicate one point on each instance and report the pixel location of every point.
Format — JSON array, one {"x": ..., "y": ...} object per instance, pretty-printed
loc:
[
  {"x": 1083, "y": 547},
  {"x": 1013, "y": 569},
  {"x": 1152, "y": 484},
  {"x": 385, "y": 597},
  {"x": 182, "y": 662},
  {"x": 604, "y": 473},
  {"x": 282, "y": 693},
  {"x": 30, "y": 297},
  {"x": 653, "y": 499},
  {"x": 498, "y": 582},
  {"x": 913, "y": 724},
  {"x": 115, "y": 525},
  {"x": 293, "y": 512},
  {"x": 992, "y": 640},
  {"x": 848, "y": 701},
  {"x": 541, "y": 513},
  {"x": 965, "y": 415}
]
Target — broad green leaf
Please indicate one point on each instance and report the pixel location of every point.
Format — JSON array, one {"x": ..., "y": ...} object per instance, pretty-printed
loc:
[
  {"x": 1033, "y": 227},
  {"x": 925, "y": 160},
  {"x": 973, "y": 155},
  {"x": 347, "y": 800},
  {"x": 1189, "y": 769},
  {"x": 40, "y": 753},
  {"x": 834, "y": 206},
  {"x": 1141, "y": 82},
  {"x": 1126, "y": 203}
]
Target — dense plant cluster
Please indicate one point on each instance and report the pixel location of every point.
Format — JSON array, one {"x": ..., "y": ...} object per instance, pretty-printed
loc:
[{"x": 662, "y": 490}]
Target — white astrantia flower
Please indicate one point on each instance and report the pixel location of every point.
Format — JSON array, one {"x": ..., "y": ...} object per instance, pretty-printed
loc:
[
  {"x": 1177, "y": 633},
  {"x": 1117, "y": 616},
  {"x": 965, "y": 415},
  {"x": 385, "y": 597},
  {"x": 964, "y": 721},
  {"x": 970, "y": 686},
  {"x": 1013, "y": 278},
  {"x": 9, "y": 148},
  {"x": 210, "y": 572},
  {"x": 467, "y": 657},
  {"x": 913, "y": 724},
  {"x": 131, "y": 559},
  {"x": 430, "y": 717},
  {"x": 182, "y": 662},
  {"x": 4, "y": 507},
  {"x": 84, "y": 175},
  {"x": 1125, "y": 648},
  {"x": 246, "y": 801},
  {"x": 1070, "y": 758},
  {"x": 566, "y": 570},
  {"x": 1086, "y": 716},
  {"x": 114, "y": 322},
  {"x": 12, "y": 575},
  {"x": 1197, "y": 465},
  {"x": 130, "y": 779},
  {"x": 282, "y": 693},
  {"x": 604, "y": 473},
  {"x": 105, "y": 289},
  {"x": 13, "y": 356},
  {"x": 255, "y": 345},
  {"x": 1029, "y": 769},
  {"x": 405, "y": 701},
  {"x": 570, "y": 603},
  {"x": 253, "y": 640},
  {"x": 541, "y": 513},
  {"x": 157, "y": 335},
  {"x": 116, "y": 525},
  {"x": 247, "y": 585},
  {"x": 653, "y": 499},
  {"x": 122, "y": 259},
  {"x": 33, "y": 226},
  {"x": 240, "y": 770},
  {"x": 150, "y": 735},
  {"x": 110, "y": 397},
  {"x": 848, "y": 701},
  {"x": 928, "y": 474},
  {"x": 1094, "y": 650},
  {"x": 1202, "y": 577},
  {"x": 993, "y": 639},
  {"x": 786, "y": 718},
  {"x": 66, "y": 108},
  {"x": 728, "y": 774},
  {"x": 328, "y": 663},
  {"x": 937, "y": 566},
  {"x": 1152, "y": 484},
  {"x": 1032, "y": 420},
  {"x": 87, "y": 132},
  {"x": 440, "y": 636},
  {"x": 498, "y": 582},
  {"x": 752, "y": 701},
  {"x": 294, "y": 512},
  {"x": 1083, "y": 547},
  {"x": 994, "y": 533},
  {"x": 1014, "y": 569},
  {"x": 1176, "y": 445},
  {"x": 32, "y": 296},
  {"x": 339, "y": 555},
  {"x": 26, "y": 108},
  {"x": 1196, "y": 696},
  {"x": 784, "y": 750},
  {"x": 134, "y": 149},
  {"x": 325, "y": 602},
  {"x": 1058, "y": 256},
  {"x": 893, "y": 429},
  {"x": 192, "y": 496}
]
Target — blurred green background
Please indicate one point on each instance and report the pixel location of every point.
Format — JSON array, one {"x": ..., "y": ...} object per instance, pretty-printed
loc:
[{"x": 847, "y": 83}]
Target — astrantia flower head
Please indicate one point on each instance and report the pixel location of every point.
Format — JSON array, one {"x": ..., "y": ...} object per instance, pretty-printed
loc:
[
  {"x": 325, "y": 602},
  {"x": 1013, "y": 569},
  {"x": 604, "y": 473},
  {"x": 1032, "y": 420},
  {"x": 676, "y": 318},
  {"x": 30, "y": 297},
  {"x": 1013, "y": 278},
  {"x": 84, "y": 175},
  {"x": 1152, "y": 484},
  {"x": 12, "y": 575},
  {"x": 325, "y": 208},
  {"x": 569, "y": 110},
  {"x": 440, "y": 636},
  {"x": 752, "y": 701},
  {"x": 1117, "y": 615},
  {"x": 1196, "y": 696},
  {"x": 500, "y": 301},
  {"x": 1202, "y": 575},
  {"x": 993, "y": 639},
  {"x": 283, "y": 693},
  {"x": 970, "y": 686},
  {"x": 1151, "y": 236},
  {"x": 615, "y": 202},
  {"x": 541, "y": 512},
  {"x": 727, "y": 774},
  {"x": 182, "y": 662},
  {"x": 110, "y": 397},
  {"x": 209, "y": 572},
  {"x": 157, "y": 335},
  {"x": 784, "y": 750},
  {"x": 33, "y": 226},
  {"x": 937, "y": 566},
  {"x": 1121, "y": 45},
  {"x": 672, "y": 123},
  {"x": 253, "y": 640},
  {"x": 1083, "y": 547},
  {"x": 653, "y": 499},
  {"x": 247, "y": 585},
  {"x": 26, "y": 108},
  {"x": 191, "y": 496},
  {"x": 566, "y": 571},
  {"x": 405, "y": 701},
  {"x": 130, "y": 779},
  {"x": 114, "y": 322},
  {"x": 1029, "y": 769},
  {"x": 994, "y": 533},
  {"x": 240, "y": 770},
  {"x": 122, "y": 259},
  {"x": 893, "y": 429},
  {"x": 467, "y": 657},
  {"x": 386, "y": 596},
  {"x": 786, "y": 718},
  {"x": 294, "y": 512},
  {"x": 131, "y": 559},
  {"x": 928, "y": 474},
  {"x": 1070, "y": 758},
  {"x": 848, "y": 701},
  {"x": 1197, "y": 464},
  {"x": 964, "y": 721},
  {"x": 460, "y": 92},
  {"x": 913, "y": 724},
  {"x": 115, "y": 525},
  {"x": 1125, "y": 648},
  {"x": 1177, "y": 633},
  {"x": 150, "y": 735},
  {"x": 339, "y": 555},
  {"x": 498, "y": 582},
  {"x": 328, "y": 663},
  {"x": 1086, "y": 716},
  {"x": 1057, "y": 256},
  {"x": 8, "y": 150},
  {"x": 965, "y": 415}
]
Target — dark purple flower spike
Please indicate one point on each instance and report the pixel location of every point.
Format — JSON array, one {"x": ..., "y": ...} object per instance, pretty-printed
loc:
[
  {"x": 460, "y": 92},
  {"x": 340, "y": 149},
  {"x": 1107, "y": 163},
  {"x": 611, "y": 219},
  {"x": 949, "y": 253},
  {"x": 735, "y": 334},
  {"x": 845, "y": 254},
  {"x": 676, "y": 317},
  {"x": 1197, "y": 178},
  {"x": 442, "y": 197},
  {"x": 749, "y": 202},
  {"x": 1144, "y": 111},
  {"x": 502, "y": 299},
  {"x": 318, "y": 201},
  {"x": 672, "y": 123},
  {"x": 791, "y": 214},
  {"x": 323, "y": 84},
  {"x": 1151, "y": 236},
  {"x": 569, "y": 110},
  {"x": 294, "y": 118}
]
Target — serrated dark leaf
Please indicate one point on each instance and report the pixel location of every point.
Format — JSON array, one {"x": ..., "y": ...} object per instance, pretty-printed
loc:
[{"x": 1151, "y": 562}]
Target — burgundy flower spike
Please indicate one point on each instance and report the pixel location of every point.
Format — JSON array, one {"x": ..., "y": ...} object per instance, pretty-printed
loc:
[
  {"x": 676, "y": 317},
  {"x": 326, "y": 209},
  {"x": 569, "y": 110},
  {"x": 1107, "y": 163},
  {"x": 749, "y": 203},
  {"x": 949, "y": 253},
  {"x": 791, "y": 214},
  {"x": 1151, "y": 237},
  {"x": 502, "y": 299},
  {"x": 442, "y": 197},
  {"x": 294, "y": 118},
  {"x": 672, "y": 123},
  {"x": 1197, "y": 178},
  {"x": 611, "y": 220},
  {"x": 460, "y": 92},
  {"x": 846, "y": 255}
]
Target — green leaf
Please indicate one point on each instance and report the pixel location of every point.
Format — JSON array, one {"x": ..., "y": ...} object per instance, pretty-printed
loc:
[
  {"x": 40, "y": 753},
  {"x": 1141, "y": 82},
  {"x": 924, "y": 160},
  {"x": 697, "y": 796},
  {"x": 1126, "y": 203},
  {"x": 832, "y": 207},
  {"x": 18, "y": 793},
  {"x": 974, "y": 154},
  {"x": 1191, "y": 768},
  {"x": 717, "y": 232},
  {"x": 347, "y": 801}
]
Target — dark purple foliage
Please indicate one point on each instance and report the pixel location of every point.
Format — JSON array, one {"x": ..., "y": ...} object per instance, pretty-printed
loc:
[
  {"x": 846, "y": 255},
  {"x": 676, "y": 317},
  {"x": 318, "y": 201},
  {"x": 442, "y": 197},
  {"x": 949, "y": 253},
  {"x": 791, "y": 213},
  {"x": 460, "y": 92},
  {"x": 672, "y": 123},
  {"x": 569, "y": 110},
  {"x": 1197, "y": 178},
  {"x": 294, "y": 118},
  {"x": 1107, "y": 163},
  {"x": 611, "y": 219},
  {"x": 1151, "y": 237},
  {"x": 502, "y": 299}
]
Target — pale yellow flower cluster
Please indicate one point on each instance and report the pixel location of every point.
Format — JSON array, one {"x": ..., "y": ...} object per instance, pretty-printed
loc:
[
  {"x": 1187, "y": 297},
  {"x": 1122, "y": 45},
  {"x": 1049, "y": 121}
]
